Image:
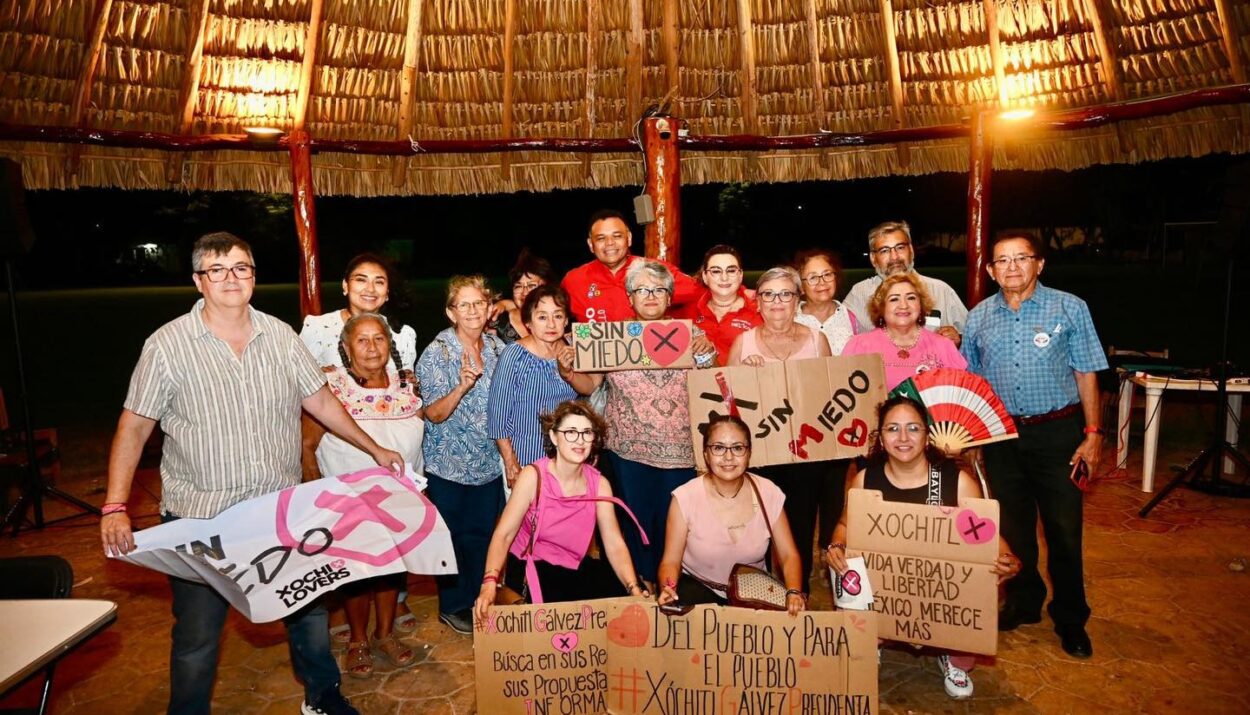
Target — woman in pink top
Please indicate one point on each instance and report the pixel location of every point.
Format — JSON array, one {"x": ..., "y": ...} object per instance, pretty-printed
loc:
[
  {"x": 781, "y": 338},
  {"x": 898, "y": 309},
  {"x": 539, "y": 546},
  {"x": 717, "y": 520}
]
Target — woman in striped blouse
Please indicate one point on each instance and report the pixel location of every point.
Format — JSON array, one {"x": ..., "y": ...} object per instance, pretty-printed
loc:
[{"x": 527, "y": 382}]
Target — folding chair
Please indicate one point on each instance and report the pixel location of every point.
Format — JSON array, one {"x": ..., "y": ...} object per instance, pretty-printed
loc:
[{"x": 36, "y": 577}]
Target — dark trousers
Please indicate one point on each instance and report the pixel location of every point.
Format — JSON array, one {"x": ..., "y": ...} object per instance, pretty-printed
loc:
[
  {"x": 1029, "y": 477},
  {"x": 648, "y": 491},
  {"x": 470, "y": 512},
  {"x": 199, "y": 616},
  {"x": 592, "y": 579},
  {"x": 832, "y": 500},
  {"x": 801, "y": 483}
]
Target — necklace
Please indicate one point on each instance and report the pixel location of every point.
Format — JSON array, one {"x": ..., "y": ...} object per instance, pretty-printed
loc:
[
  {"x": 904, "y": 352},
  {"x": 772, "y": 353},
  {"x": 741, "y": 481}
]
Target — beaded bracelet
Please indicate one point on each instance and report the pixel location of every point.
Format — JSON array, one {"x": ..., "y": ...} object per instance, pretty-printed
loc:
[{"x": 796, "y": 592}]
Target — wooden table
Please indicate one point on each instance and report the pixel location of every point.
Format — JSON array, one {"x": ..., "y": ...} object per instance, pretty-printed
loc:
[
  {"x": 35, "y": 633},
  {"x": 1155, "y": 386}
]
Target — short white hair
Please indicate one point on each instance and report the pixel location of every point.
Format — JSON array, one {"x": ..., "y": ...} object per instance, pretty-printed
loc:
[
  {"x": 882, "y": 229},
  {"x": 651, "y": 269},
  {"x": 781, "y": 273}
]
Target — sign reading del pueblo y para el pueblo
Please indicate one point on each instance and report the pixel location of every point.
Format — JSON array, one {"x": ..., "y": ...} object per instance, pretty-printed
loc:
[{"x": 623, "y": 655}]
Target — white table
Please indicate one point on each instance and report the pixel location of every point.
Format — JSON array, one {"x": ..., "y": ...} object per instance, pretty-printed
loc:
[
  {"x": 35, "y": 633},
  {"x": 1155, "y": 386}
]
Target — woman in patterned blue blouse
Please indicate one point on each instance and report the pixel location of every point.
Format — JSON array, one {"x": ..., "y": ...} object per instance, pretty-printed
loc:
[
  {"x": 527, "y": 382},
  {"x": 461, "y": 461}
]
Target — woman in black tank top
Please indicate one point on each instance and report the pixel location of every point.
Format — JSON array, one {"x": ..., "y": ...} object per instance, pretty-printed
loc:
[{"x": 905, "y": 467}]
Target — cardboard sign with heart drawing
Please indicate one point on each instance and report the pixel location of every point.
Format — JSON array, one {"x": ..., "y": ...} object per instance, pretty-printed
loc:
[
  {"x": 798, "y": 411},
  {"x": 622, "y": 655},
  {"x": 929, "y": 567},
  {"x": 632, "y": 345}
]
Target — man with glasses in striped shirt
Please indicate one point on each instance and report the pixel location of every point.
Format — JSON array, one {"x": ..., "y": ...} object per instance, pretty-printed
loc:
[
  {"x": 890, "y": 250},
  {"x": 227, "y": 384}
]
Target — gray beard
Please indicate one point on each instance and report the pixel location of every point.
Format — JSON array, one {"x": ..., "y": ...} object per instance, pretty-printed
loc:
[{"x": 906, "y": 268}]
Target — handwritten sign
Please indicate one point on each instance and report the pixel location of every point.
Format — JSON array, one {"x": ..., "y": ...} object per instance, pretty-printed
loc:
[
  {"x": 929, "y": 567},
  {"x": 799, "y": 411},
  {"x": 624, "y": 656},
  {"x": 273, "y": 555},
  {"x": 632, "y": 345}
]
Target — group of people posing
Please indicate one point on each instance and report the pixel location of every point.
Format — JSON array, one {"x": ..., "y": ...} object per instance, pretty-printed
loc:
[{"x": 558, "y": 485}]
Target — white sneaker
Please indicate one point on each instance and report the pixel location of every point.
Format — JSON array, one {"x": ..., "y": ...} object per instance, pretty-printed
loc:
[{"x": 957, "y": 682}]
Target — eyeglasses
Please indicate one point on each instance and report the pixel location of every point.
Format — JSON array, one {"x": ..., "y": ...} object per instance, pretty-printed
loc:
[
  {"x": 912, "y": 428},
  {"x": 1005, "y": 261},
  {"x": 726, "y": 272},
  {"x": 899, "y": 248},
  {"x": 817, "y": 278},
  {"x": 737, "y": 449},
  {"x": 600, "y": 238},
  {"x": 771, "y": 296},
  {"x": 217, "y": 274},
  {"x": 650, "y": 292},
  {"x": 466, "y": 306},
  {"x": 526, "y": 286},
  {"x": 573, "y": 436}
]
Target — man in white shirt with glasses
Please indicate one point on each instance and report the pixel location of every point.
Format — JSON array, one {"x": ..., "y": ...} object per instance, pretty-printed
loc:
[{"x": 890, "y": 250}]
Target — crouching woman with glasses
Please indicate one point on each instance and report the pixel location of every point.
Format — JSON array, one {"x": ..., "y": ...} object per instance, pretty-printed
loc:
[
  {"x": 540, "y": 546},
  {"x": 717, "y": 521}
]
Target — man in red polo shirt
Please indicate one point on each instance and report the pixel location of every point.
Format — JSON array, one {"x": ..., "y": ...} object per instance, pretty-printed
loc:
[{"x": 597, "y": 289}]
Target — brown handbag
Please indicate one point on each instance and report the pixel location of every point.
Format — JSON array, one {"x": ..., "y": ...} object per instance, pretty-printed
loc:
[{"x": 751, "y": 586}]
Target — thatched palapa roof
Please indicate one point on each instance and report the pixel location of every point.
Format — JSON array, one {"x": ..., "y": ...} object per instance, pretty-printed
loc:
[{"x": 443, "y": 69}]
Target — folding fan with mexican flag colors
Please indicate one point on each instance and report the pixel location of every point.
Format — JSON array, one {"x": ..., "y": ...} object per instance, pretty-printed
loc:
[{"x": 963, "y": 409}]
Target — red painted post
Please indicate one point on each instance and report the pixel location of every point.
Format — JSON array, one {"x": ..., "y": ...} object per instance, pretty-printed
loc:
[
  {"x": 980, "y": 169},
  {"x": 659, "y": 141},
  {"x": 300, "y": 146}
]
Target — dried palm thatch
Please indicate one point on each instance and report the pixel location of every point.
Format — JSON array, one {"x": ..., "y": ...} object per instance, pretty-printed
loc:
[{"x": 476, "y": 69}]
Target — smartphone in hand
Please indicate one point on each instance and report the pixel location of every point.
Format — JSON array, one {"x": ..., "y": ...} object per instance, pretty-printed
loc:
[{"x": 1080, "y": 475}]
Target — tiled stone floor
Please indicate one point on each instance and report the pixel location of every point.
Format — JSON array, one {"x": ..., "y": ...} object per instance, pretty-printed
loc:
[{"x": 1171, "y": 629}]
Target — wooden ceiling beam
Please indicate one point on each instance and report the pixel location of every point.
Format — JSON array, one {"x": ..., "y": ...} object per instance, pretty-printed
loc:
[
  {"x": 408, "y": 85},
  {"x": 592, "y": 69},
  {"x": 1228, "y": 31},
  {"x": 304, "y": 92},
  {"x": 895, "y": 74},
  {"x": 670, "y": 30},
  {"x": 509, "y": 80},
  {"x": 634, "y": 57},
  {"x": 1107, "y": 55},
  {"x": 996, "y": 51},
  {"x": 193, "y": 61},
  {"x": 746, "y": 51},
  {"x": 86, "y": 77}
]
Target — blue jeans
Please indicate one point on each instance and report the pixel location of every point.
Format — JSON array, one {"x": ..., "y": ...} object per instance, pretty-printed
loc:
[
  {"x": 648, "y": 491},
  {"x": 199, "y": 615},
  {"x": 470, "y": 512}
]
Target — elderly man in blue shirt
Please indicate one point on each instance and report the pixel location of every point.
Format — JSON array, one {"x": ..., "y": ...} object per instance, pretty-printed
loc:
[{"x": 1038, "y": 349}]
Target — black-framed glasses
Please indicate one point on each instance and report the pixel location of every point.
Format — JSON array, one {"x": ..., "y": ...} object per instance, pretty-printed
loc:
[
  {"x": 573, "y": 436},
  {"x": 817, "y": 278},
  {"x": 658, "y": 292},
  {"x": 772, "y": 296},
  {"x": 217, "y": 274},
  {"x": 731, "y": 272},
  {"x": 717, "y": 449},
  {"x": 899, "y": 248},
  {"x": 1005, "y": 261}
]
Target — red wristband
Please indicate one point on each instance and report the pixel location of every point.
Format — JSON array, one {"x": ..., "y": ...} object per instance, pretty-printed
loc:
[
  {"x": 113, "y": 508},
  {"x": 490, "y": 578},
  {"x": 1093, "y": 430}
]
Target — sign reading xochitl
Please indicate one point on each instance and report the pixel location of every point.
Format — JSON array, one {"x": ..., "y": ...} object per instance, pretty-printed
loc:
[{"x": 632, "y": 345}]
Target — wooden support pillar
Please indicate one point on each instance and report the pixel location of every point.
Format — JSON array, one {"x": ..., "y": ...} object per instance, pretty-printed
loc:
[
  {"x": 980, "y": 170},
  {"x": 659, "y": 141},
  {"x": 300, "y": 146}
]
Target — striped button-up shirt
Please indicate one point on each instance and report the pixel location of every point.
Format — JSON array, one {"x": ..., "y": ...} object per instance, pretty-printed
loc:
[
  {"x": 523, "y": 387},
  {"x": 231, "y": 424},
  {"x": 1029, "y": 355}
]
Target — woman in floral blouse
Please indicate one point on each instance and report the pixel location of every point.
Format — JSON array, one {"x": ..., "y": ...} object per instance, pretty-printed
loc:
[
  {"x": 461, "y": 461},
  {"x": 648, "y": 416}
]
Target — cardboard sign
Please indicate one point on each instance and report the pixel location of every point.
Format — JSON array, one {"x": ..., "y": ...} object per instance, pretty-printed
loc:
[
  {"x": 273, "y": 555},
  {"x": 799, "y": 411},
  {"x": 632, "y": 345},
  {"x": 624, "y": 656},
  {"x": 930, "y": 569}
]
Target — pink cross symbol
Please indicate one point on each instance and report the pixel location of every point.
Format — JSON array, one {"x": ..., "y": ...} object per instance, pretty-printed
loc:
[{"x": 357, "y": 509}]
